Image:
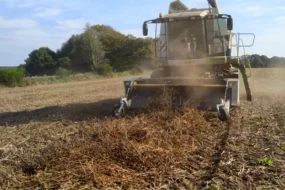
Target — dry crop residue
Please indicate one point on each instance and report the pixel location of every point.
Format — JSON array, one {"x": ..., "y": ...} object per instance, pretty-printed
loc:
[{"x": 71, "y": 145}]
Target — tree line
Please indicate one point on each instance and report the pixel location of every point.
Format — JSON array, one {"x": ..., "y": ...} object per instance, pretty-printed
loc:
[
  {"x": 99, "y": 49},
  {"x": 262, "y": 61}
]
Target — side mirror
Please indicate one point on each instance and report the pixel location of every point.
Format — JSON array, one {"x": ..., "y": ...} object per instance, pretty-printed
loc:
[
  {"x": 230, "y": 23},
  {"x": 145, "y": 29}
]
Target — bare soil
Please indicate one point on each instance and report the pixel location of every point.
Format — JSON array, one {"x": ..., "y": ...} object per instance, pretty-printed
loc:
[{"x": 62, "y": 136}]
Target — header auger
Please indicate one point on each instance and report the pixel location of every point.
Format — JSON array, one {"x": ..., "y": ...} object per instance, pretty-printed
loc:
[{"x": 200, "y": 58}]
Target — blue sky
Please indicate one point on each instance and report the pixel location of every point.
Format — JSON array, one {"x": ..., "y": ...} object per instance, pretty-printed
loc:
[{"x": 26, "y": 25}]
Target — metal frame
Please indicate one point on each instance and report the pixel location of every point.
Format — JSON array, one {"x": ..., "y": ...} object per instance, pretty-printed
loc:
[
  {"x": 156, "y": 40},
  {"x": 240, "y": 41}
]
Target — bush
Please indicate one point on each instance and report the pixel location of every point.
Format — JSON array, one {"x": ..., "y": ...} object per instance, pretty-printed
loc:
[
  {"x": 11, "y": 77},
  {"x": 62, "y": 72},
  {"x": 104, "y": 69}
]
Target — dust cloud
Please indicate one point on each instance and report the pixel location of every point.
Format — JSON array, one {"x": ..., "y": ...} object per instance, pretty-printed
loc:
[{"x": 266, "y": 82}]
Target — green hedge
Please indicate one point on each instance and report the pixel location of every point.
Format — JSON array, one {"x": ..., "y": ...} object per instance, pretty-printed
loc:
[{"x": 11, "y": 77}]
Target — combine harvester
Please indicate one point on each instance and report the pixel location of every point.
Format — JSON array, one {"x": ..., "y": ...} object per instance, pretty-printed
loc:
[{"x": 200, "y": 58}]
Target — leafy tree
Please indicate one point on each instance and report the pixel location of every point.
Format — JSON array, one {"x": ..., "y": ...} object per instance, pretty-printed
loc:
[
  {"x": 64, "y": 63},
  {"x": 87, "y": 50},
  {"x": 134, "y": 52},
  {"x": 113, "y": 43},
  {"x": 66, "y": 47},
  {"x": 256, "y": 61},
  {"x": 126, "y": 52},
  {"x": 41, "y": 61},
  {"x": 265, "y": 60},
  {"x": 94, "y": 46},
  {"x": 79, "y": 59}
]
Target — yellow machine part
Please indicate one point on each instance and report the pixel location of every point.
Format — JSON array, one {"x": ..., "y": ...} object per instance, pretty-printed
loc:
[{"x": 136, "y": 85}]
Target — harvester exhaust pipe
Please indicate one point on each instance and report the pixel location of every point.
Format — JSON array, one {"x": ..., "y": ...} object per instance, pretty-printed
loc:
[
  {"x": 177, "y": 6},
  {"x": 214, "y": 4}
]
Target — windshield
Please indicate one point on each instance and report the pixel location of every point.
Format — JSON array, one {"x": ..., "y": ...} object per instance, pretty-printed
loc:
[
  {"x": 186, "y": 39},
  {"x": 193, "y": 39},
  {"x": 217, "y": 36}
]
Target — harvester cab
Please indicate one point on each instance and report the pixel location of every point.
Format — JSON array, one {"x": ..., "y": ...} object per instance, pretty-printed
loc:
[{"x": 200, "y": 60}]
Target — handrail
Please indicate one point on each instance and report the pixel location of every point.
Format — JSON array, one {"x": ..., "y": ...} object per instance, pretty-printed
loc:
[
  {"x": 240, "y": 44},
  {"x": 244, "y": 53},
  {"x": 240, "y": 34}
]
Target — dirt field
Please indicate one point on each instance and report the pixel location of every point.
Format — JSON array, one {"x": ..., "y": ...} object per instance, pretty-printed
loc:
[{"x": 61, "y": 137}]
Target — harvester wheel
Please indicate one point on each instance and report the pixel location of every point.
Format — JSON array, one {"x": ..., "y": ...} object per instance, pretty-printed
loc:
[
  {"x": 119, "y": 110},
  {"x": 223, "y": 114}
]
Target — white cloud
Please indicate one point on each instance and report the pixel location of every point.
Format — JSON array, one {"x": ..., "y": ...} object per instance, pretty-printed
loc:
[
  {"x": 14, "y": 4},
  {"x": 7, "y": 38},
  {"x": 15, "y": 45},
  {"x": 253, "y": 8},
  {"x": 18, "y": 3},
  {"x": 17, "y": 23},
  {"x": 134, "y": 32},
  {"x": 25, "y": 4},
  {"x": 31, "y": 33},
  {"x": 71, "y": 24},
  {"x": 47, "y": 12},
  {"x": 279, "y": 19}
]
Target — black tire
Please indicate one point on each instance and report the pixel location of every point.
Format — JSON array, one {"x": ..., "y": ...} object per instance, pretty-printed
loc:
[
  {"x": 223, "y": 114},
  {"x": 116, "y": 109}
]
